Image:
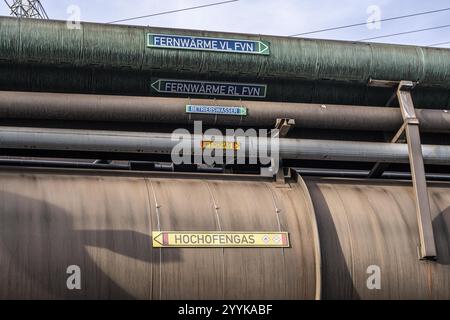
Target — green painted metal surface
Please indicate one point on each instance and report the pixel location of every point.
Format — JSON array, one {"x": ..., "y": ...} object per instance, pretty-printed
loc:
[
  {"x": 129, "y": 82},
  {"x": 45, "y": 55}
]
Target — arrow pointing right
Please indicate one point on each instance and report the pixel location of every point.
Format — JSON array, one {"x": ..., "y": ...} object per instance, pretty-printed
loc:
[
  {"x": 242, "y": 111},
  {"x": 263, "y": 47}
]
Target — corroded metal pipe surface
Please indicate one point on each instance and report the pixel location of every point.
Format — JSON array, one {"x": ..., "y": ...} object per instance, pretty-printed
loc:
[
  {"x": 103, "y": 225},
  {"x": 102, "y": 222},
  {"x": 59, "y": 106},
  {"x": 365, "y": 224}
]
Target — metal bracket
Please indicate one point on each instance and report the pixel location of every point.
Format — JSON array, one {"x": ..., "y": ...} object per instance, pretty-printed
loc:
[
  {"x": 283, "y": 125},
  {"x": 427, "y": 249},
  {"x": 410, "y": 128},
  {"x": 379, "y": 167},
  {"x": 388, "y": 83}
]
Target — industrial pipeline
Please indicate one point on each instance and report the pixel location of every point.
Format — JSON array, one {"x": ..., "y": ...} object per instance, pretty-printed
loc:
[
  {"x": 94, "y": 45},
  {"x": 45, "y": 55},
  {"x": 102, "y": 221},
  {"x": 165, "y": 144},
  {"x": 84, "y": 107},
  {"x": 353, "y": 188}
]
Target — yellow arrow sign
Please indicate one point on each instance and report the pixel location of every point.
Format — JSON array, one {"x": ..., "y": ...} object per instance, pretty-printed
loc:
[
  {"x": 225, "y": 145},
  {"x": 217, "y": 239}
]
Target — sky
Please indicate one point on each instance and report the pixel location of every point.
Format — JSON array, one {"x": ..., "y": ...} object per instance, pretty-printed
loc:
[{"x": 273, "y": 17}]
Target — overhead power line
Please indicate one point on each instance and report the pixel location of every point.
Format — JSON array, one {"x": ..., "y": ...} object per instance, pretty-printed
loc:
[
  {"x": 406, "y": 32},
  {"x": 438, "y": 44},
  {"x": 365, "y": 22},
  {"x": 174, "y": 11}
]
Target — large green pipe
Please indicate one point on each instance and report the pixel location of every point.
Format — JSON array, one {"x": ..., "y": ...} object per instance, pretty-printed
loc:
[
  {"x": 107, "y": 58},
  {"x": 41, "y": 78},
  {"x": 116, "y": 46}
]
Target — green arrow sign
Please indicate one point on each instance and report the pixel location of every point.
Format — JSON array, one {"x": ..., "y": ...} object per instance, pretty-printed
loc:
[
  {"x": 208, "y": 44},
  {"x": 209, "y": 88}
]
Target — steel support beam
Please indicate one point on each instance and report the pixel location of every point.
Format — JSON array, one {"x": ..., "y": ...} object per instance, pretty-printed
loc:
[
  {"x": 379, "y": 168},
  {"x": 410, "y": 128},
  {"x": 427, "y": 248}
]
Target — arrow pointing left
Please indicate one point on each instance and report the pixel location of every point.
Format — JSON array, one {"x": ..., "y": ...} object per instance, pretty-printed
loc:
[
  {"x": 157, "y": 85},
  {"x": 157, "y": 239}
]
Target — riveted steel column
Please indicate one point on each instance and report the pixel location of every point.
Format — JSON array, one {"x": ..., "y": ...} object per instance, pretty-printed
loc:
[{"x": 427, "y": 249}]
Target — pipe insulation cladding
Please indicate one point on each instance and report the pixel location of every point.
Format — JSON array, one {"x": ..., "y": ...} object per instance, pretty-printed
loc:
[
  {"x": 45, "y": 55},
  {"x": 50, "y": 42},
  {"x": 102, "y": 222}
]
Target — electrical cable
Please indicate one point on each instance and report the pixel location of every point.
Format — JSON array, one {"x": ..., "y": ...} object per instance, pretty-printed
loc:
[
  {"x": 173, "y": 11},
  {"x": 364, "y": 23}
]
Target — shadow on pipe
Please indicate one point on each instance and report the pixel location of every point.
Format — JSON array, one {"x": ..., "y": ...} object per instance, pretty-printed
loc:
[
  {"x": 38, "y": 241},
  {"x": 337, "y": 282}
]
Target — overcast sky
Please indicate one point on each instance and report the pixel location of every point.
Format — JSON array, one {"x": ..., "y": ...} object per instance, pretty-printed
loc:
[{"x": 276, "y": 17}]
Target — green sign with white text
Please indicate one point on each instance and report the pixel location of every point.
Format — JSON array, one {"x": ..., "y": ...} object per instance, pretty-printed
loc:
[
  {"x": 245, "y": 46},
  {"x": 209, "y": 88}
]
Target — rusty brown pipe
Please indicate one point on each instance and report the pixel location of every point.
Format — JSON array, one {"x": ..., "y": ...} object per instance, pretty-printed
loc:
[
  {"x": 340, "y": 229},
  {"x": 58, "y": 106}
]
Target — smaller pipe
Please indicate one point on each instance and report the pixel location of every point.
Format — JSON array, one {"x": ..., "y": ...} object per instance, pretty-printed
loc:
[
  {"x": 363, "y": 174},
  {"x": 61, "y": 164},
  {"x": 84, "y": 107},
  {"x": 312, "y": 172},
  {"x": 164, "y": 143}
]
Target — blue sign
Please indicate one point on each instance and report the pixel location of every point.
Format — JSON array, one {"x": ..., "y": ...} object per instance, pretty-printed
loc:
[
  {"x": 208, "y": 88},
  {"x": 208, "y": 44},
  {"x": 225, "y": 110}
]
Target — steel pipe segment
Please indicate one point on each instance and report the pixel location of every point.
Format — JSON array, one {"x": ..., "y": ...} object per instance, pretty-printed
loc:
[
  {"x": 103, "y": 225},
  {"x": 341, "y": 231},
  {"x": 368, "y": 227},
  {"x": 59, "y": 106},
  {"x": 164, "y": 143}
]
